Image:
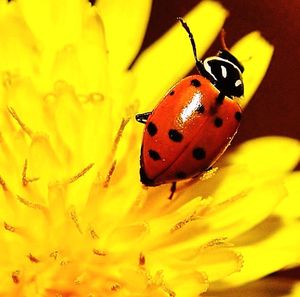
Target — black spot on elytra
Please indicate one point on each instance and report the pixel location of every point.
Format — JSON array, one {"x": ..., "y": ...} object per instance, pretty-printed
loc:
[
  {"x": 238, "y": 116},
  {"x": 180, "y": 175},
  {"x": 213, "y": 109},
  {"x": 154, "y": 155},
  {"x": 200, "y": 109},
  {"x": 220, "y": 99},
  {"x": 172, "y": 93},
  {"x": 196, "y": 83},
  {"x": 218, "y": 122},
  {"x": 152, "y": 129},
  {"x": 199, "y": 153},
  {"x": 175, "y": 136}
]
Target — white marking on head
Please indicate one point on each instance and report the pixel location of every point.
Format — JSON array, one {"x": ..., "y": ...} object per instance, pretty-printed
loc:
[
  {"x": 224, "y": 71},
  {"x": 208, "y": 68},
  {"x": 238, "y": 83},
  {"x": 191, "y": 107}
]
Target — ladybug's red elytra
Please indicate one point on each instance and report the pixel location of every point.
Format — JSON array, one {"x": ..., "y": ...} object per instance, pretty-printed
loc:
[{"x": 194, "y": 123}]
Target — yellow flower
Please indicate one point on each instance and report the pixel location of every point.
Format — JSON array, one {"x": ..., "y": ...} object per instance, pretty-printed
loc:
[
  {"x": 265, "y": 231},
  {"x": 76, "y": 220}
]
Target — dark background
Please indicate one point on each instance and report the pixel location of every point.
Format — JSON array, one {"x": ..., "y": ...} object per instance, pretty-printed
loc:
[{"x": 275, "y": 108}]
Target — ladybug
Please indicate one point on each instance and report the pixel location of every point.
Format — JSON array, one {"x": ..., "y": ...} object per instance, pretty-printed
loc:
[{"x": 194, "y": 123}]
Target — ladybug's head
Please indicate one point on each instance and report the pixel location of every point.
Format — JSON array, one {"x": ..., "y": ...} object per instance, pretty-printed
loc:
[{"x": 225, "y": 72}]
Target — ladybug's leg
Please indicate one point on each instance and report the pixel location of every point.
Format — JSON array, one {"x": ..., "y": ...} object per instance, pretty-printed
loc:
[
  {"x": 173, "y": 190},
  {"x": 143, "y": 117},
  {"x": 199, "y": 64}
]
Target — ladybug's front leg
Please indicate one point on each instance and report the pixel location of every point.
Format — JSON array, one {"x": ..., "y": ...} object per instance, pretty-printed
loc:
[
  {"x": 173, "y": 190},
  {"x": 143, "y": 117}
]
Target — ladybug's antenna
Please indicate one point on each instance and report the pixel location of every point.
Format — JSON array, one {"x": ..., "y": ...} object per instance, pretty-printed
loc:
[
  {"x": 199, "y": 64},
  {"x": 187, "y": 29},
  {"x": 222, "y": 40}
]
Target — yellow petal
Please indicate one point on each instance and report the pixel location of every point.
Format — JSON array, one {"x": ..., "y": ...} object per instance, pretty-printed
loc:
[
  {"x": 267, "y": 156},
  {"x": 268, "y": 287},
  {"x": 56, "y": 22},
  {"x": 68, "y": 42},
  {"x": 82, "y": 62},
  {"x": 219, "y": 263},
  {"x": 295, "y": 291},
  {"x": 214, "y": 259},
  {"x": 290, "y": 206},
  {"x": 270, "y": 246},
  {"x": 241, "y": 213},
  {"x": 132, "y": 233},
  {"x": 171, "y": 57},
  {"x": 255, "y": 54},
  {"x": 230, "y": 218},
  {"x": 189, "y": 284},
  {"x": 18, "y": 50},
  {"x": 125, "y": 23}
]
